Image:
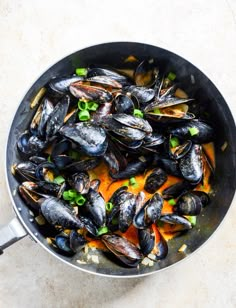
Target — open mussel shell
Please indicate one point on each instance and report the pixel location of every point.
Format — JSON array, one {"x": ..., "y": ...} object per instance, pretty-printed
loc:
[
  {"x": 152, "y": 243},
  {"x": 143, "y": 94},
  {"x": 46, "y": 171},
  {"x": 104, "y": 81},
  {"x": 92, "y": 93},
  {"x": 180, "y": 150},
  {"x": 188, "y": 204},
  {"x": 132, "y": 121},
  {"x": 149, "y": 212},
  {"x": 77, "y": 241},
  {"x": 80, "y": 182},
  {"x": 170, "y": 115},
  {"x": 168, "y": 101},
  {"x": 146, "y": 73},
  {"x": 125, "y": 251},
  {"x": 25, "y": 170},
  {"x": 28, "y": 191}
]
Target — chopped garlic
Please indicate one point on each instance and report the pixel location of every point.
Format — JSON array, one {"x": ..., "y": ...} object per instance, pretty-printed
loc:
[
  {"x": 145, "y": 261},
  {"x": 86, "y": 249},
  {"x": 182, "y": 248},
  {"x": 95, "y": 259},
  {"x": 81, "y": 262}
]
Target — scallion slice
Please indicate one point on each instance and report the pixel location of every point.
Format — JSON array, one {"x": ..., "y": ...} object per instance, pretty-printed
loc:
[
  {"x": 80, "y": 200},
  {"x": 132, "y": 181},
  {"x": 109, "y": 206},
  {"x": 102, "y": 230},
  {"x": 174, "y": 142},
  {"x": 172, "y": 202},
  {"x": 82, "y": 105},
  {"x": 171, "y": 76},
  {"x": 59, "y": 180},
  {"x": 84, "y": 115},
  {"x": 138, "y": 113},
  {"x": 92, "y": 106},
  {"x": 81, "y": 71},
  {"x": 193, "y": 131}
]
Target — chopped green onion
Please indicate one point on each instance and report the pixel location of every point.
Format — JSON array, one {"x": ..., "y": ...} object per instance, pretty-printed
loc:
[
  {"x": 193, "y": 131},
  {"x": 84, "y": 115},
  {"x": 74, "y": 154},
  {"x": 172, "y": 202},
  {"x": 126, "y": 183},
  {"x": 80, "y": 200},
  {"x": 174, "y": 142},
  {"x": 138, "y": 113},
  {"x": 132, "y": 181},
  {"x": 92, "y": 106},
  {"x": 171, "y": 76},
  {"x": 193, "y": 220},
  {"x": 102, "y": 230},
  {"x": 49, "y": 159},
  {"x": 109, "y": 206},
  {"x": 157, "y": 111},
  {"x": 66, "y": 196},
  {"x": 81, "y": 71},
  {"x": 82, "y": 105},
  {"x": 59, "y": 180},
  {"x": 72, "y": 193}
]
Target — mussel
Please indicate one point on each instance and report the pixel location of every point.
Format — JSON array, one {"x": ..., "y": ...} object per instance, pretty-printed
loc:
[
  {"x": 57, "y": 212},
  {"x": 155, "y": 180},
  {"x": 125, "y": 251},
  {"x": 91, "y": 138},
  {"x": 149, "y": 213}
]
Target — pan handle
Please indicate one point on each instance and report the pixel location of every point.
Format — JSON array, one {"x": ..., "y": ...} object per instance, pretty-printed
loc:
[{"x": 11, "y": 233}]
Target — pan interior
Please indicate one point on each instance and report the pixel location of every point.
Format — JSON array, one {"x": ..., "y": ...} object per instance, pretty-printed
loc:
[{"x": 206, "y": 95}]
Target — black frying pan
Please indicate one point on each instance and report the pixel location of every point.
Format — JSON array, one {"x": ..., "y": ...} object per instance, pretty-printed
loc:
[{"x": 223, "y": 183}]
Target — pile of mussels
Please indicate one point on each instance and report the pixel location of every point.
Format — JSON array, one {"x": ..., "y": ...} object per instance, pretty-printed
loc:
[{"x": 134, "y": 125}]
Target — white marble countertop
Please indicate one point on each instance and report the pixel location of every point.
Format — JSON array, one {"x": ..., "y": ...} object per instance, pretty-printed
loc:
[{"x": 35, "y": 34}]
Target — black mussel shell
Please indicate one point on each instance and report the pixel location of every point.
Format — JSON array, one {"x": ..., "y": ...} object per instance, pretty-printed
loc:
[
  {"x": 125, "y": 251},
  {"x": 77, "y": 241},
  {"x": 91, "y": 138},
  {"x": 205, "y": 132},
  {"x": 155, "y": 180},
  {"x": 188, "y": 204},
  {"x": 191, "y": 164},
  {"x": 57, "y": 212}
]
